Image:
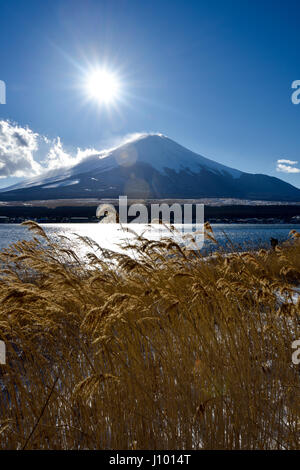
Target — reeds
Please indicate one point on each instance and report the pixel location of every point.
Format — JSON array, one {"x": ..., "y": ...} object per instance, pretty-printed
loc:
[{"x": 162, "y": 350}]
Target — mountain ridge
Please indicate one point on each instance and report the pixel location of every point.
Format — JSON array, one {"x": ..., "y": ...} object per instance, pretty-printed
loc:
[{"x": 151, "y": 166}]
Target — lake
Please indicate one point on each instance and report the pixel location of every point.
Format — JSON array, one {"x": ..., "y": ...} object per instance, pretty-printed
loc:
[{"x": 241, "y": 236}]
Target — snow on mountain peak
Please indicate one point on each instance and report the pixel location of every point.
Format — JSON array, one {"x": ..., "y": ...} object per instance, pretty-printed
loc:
[
  {"x": 155, "y": 149},
  {"x": 163, "y": 153},
  {"x": 150, "y": 166}
]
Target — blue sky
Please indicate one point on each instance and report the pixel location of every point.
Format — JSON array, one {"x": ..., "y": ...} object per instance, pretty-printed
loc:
[{"x": 213, "y": 75}]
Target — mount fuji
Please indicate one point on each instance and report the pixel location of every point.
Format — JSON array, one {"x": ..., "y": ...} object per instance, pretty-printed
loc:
[{"x": 150, "y": 167}]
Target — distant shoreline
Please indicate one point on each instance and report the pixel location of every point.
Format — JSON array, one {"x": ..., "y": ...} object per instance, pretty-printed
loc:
[
  {"x": 86, "y": 202},
  {"x": 212, "y": 222},
  {"x": 79, "y": 212}
]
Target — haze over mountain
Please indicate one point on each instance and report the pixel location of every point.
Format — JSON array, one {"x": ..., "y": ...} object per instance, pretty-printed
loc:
[{"x": 151, "y": 166}]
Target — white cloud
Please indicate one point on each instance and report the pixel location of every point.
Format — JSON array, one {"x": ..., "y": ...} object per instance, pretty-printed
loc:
[
  {"x": 24, "y": 153},
  {"x": 288, "y": 162},
  {"x": 17, "y": 148},
  {"x": 57, "y": 157},
  {"x": 285, "y": 166}
]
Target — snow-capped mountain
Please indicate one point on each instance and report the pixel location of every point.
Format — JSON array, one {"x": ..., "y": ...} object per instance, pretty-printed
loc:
[{"x": 151, "y": 166}]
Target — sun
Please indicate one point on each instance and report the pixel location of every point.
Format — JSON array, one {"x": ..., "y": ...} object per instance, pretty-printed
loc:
[{"x": 103, "y": 85}]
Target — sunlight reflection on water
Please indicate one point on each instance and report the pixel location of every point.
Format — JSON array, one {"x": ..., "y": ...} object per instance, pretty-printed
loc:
[{"x": 110, "y": 236}]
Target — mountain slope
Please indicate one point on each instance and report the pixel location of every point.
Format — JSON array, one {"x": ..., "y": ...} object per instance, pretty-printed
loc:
[{"x": 152, "y": 166}]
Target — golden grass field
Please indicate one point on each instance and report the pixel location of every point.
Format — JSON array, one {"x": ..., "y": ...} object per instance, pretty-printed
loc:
[{"x": 163, "y": 351}]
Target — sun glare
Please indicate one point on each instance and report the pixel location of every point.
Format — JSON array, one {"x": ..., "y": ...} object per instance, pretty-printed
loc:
[{"x": 103, "y": 86}]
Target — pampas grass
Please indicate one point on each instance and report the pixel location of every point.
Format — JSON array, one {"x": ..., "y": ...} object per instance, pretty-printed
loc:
[{"x": 161, "y": 350}]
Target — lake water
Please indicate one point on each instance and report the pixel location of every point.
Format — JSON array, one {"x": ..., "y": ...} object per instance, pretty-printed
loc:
[{"x": 241, "y": 236}]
